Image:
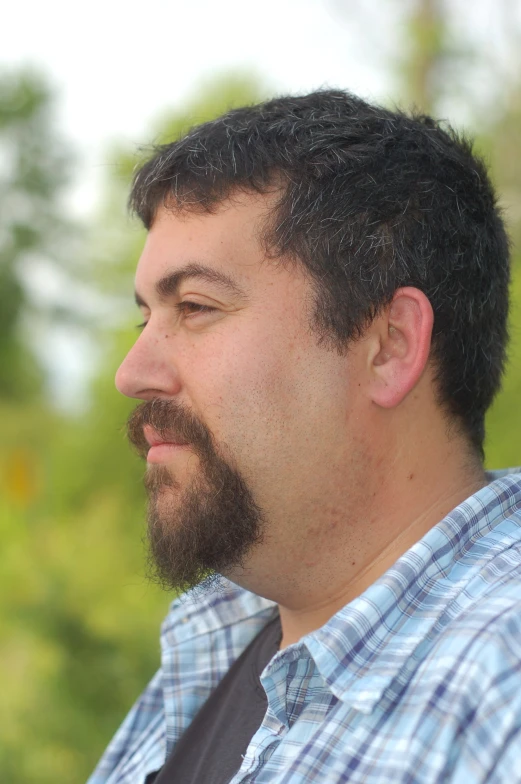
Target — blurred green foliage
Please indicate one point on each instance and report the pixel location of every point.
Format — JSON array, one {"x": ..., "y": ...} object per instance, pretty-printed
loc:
[{"x": 78, "y": 622}]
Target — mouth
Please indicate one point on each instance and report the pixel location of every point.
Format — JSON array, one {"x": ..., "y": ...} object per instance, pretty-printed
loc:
[{"x": 161, "y": 449}]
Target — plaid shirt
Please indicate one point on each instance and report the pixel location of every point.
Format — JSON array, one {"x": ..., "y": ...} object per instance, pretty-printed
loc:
[{"x": 416, "y": 680}]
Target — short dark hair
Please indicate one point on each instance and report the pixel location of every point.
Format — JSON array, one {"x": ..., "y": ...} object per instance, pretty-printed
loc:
[{"x": 370, "y": 200}]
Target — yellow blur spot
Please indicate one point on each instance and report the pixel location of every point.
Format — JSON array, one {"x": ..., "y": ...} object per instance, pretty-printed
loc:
[{"x": 20, "y": 477}]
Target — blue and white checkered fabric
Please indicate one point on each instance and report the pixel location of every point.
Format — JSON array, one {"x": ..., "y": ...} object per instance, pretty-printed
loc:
[{"x": 416, "y": 680}]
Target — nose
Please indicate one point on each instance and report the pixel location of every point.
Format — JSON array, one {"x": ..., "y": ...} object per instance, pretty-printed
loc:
[{"x": 148, "y": 370}]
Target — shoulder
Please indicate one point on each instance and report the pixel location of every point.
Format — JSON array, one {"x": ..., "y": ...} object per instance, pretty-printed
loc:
[
  {"x": 478, "y": 685},
  {"x": 468, "y": 668}
]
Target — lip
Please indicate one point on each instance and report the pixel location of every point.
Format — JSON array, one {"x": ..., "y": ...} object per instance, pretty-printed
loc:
[
  {"x": 161, "y": 453},
  {"x": 159, "y": 449},
  {"x": 154, "y": 439}
]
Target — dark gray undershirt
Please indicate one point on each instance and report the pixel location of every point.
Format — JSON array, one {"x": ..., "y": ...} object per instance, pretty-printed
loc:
[{"x": 210, "y": 750}]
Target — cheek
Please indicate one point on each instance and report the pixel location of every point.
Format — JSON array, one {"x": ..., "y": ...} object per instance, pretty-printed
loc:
[{"x": 244, "y": 390}]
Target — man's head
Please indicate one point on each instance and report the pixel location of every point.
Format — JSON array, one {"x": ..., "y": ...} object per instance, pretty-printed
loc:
[
  {"x": 324, "y": 215},
  {"x": 369, "y": 200}
]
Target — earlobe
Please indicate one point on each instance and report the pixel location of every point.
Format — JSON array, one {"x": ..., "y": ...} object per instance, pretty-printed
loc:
[{"x": 405, "y": 331}]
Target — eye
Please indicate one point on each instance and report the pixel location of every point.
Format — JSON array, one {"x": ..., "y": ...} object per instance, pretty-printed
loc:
[{"x": 187, "y": 308}]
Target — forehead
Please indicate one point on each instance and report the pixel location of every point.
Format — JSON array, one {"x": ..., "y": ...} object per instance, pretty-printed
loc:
[{"x": 227, "y": 240}]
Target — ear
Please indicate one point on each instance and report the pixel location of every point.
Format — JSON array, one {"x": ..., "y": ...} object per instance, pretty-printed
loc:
[{"x": 403, "y": 348}]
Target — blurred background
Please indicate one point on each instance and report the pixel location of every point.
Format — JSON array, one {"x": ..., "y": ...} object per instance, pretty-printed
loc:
[{"x": 82, "y": 88}]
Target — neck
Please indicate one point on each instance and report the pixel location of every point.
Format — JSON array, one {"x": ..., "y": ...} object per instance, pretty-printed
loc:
[
  {"x": 405, "y": 508},
  {"x": 325, "y": 555}
]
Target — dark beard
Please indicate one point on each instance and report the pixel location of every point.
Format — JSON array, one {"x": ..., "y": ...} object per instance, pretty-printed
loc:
[{"x": 201, "y": 531}]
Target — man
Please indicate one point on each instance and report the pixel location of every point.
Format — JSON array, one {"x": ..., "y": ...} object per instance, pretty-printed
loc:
[{"x": 324, "y": 293}]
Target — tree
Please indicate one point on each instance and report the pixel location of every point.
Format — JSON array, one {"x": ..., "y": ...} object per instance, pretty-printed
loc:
[{"x": 34, "y": 170}]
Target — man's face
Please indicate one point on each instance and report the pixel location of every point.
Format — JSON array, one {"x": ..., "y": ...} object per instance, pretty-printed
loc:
[{"x": 245, "y": 413}]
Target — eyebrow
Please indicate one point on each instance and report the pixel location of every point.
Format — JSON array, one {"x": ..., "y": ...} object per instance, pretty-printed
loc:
[{"x": 168, "y": 286}]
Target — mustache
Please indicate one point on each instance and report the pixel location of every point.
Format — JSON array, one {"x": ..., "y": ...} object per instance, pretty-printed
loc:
[{"x": 172, "y": 421}]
